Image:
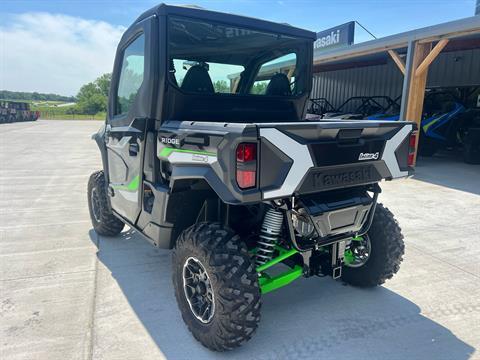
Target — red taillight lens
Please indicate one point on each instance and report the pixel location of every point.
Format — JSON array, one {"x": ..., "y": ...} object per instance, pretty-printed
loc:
[
  {"x": 246, "y": 152},
  {"x": 246, "y": 165},
  {"x": 412, "y": 144},
  {"x": 246, "y": 178}
]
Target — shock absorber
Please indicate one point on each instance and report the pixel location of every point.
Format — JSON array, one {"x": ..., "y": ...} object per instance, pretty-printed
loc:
[{"x": 269, "y": 234}]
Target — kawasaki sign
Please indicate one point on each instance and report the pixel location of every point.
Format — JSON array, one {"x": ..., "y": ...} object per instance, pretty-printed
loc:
[{"x": 341, "y": 35}]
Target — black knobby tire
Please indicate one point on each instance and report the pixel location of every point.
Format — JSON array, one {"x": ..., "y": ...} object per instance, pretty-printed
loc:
[
  {"x": 103, "y": 220},
  {"x": 233, "y": 280},
  {"x": 387, "y": 249}
]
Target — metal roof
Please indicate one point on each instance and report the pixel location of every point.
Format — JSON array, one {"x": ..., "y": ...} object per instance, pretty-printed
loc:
[{"x": 453, "y": 29}]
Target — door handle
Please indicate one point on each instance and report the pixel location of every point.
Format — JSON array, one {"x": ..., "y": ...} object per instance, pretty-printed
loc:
[{"x": 133, "y": 149}]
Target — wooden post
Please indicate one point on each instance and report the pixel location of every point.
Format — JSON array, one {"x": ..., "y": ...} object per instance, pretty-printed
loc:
[
  {"x": 290, "y": 72},
  {"x": 398, "y": 60},
  {"x": 423, "y": 67},
  {"x": 416, "y": 94}
]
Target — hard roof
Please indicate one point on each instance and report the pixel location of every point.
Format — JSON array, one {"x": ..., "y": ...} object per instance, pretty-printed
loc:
[
  {"x": 463, "y": 28},
  {"x": 234, "y": 20}
]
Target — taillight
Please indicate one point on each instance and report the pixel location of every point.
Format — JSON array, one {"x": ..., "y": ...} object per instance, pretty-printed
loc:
[
  {"x": 412, "y": 144},
  {"x": 246, "y": 165}
]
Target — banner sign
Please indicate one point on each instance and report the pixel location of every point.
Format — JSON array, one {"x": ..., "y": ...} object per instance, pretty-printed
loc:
[{"x": 341, "y": 35}]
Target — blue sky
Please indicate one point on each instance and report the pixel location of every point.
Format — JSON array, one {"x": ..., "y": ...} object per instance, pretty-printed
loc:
[{"x": 74, "y": 40}]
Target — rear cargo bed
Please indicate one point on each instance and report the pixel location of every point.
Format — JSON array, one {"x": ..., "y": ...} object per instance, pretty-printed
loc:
[{"x": 330, "y": 154}]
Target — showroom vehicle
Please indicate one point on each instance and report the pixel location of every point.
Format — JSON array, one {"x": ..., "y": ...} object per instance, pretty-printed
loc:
[
  {"x": 447, "y": 122},
  {"x": 318, "y": 108},
  {"x": 205, "y": 151},
  {"x": 359, "y": 107}
]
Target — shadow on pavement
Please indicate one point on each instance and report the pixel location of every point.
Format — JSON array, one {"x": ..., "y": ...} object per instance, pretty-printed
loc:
[
  {"x": 448, "y": 169},
  {"x": 312, "y": 318}
]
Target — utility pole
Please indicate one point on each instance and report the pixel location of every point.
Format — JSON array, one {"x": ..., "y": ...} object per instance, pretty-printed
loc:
[{"x": 477, "y": 8}]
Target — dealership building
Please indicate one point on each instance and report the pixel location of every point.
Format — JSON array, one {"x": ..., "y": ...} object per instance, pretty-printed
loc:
[{"x": 403, "y": 66}]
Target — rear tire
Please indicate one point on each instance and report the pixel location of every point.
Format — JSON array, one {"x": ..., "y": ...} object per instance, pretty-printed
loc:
[
  {"x": 232, "y": 283},
  {"x": 387, "y": 249},
  {"x": 103, "y": 220}
]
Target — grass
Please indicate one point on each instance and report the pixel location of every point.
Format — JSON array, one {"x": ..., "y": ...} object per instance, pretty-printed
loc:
[{"x": 58, "y": 116}]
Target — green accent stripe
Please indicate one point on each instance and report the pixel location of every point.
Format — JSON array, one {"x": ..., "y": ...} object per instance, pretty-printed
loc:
[
  {"x": 131, "y": 186},
  {"x": 166, "y": 151}
]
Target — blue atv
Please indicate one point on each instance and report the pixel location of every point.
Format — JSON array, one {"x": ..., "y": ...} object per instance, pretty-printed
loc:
[
  {"x": 441, "y": 122},
  {"x": 390, "y": 113},
  {"x": 446, "y": 123}
]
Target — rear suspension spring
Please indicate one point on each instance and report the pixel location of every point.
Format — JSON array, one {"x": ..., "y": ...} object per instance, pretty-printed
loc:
[{"x": 269, "y": 234}]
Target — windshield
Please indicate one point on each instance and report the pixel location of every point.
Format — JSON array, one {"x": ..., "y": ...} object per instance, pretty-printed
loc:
[{"x": 212, "y": 58}]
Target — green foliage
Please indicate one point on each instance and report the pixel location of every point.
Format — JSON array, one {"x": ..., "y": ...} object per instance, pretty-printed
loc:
[
  {"x": 93, "y": 97},
  {"x": 130, "y": 82},
  {"x": 33, "y": 96},
  {"x": 221, "y": 86},
  {"x": 103, "y": 82},
  {"x": 259, "y": 87}
]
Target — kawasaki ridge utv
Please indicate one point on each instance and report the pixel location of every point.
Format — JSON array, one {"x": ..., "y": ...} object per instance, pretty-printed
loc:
[{"x": 205, "y": 152}]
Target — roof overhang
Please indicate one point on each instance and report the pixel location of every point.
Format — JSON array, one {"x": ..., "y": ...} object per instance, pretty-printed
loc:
[{"x": 463, "y": 28}]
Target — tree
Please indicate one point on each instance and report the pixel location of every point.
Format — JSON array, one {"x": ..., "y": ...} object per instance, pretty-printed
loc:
[
  {"x": 221, "y": 86},
  {"x": 103, "y": 83},
  {"x": 93, "y": 97},
  {"x": 259, "y": 87}
]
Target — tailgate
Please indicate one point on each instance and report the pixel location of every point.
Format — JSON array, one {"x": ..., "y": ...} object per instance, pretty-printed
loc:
[{"x": 308, "y": 157}]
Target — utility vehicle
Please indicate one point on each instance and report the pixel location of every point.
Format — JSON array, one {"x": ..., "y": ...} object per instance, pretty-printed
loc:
[
  {"x": 359, "y": 107},
  {"x": 12, "y": 111},
  {"x": 205, "y": 151},
  {"x": 447, "y": 122}
]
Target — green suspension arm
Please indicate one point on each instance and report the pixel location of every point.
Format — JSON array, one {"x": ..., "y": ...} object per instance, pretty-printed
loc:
[{"x": 269, "y": 283}]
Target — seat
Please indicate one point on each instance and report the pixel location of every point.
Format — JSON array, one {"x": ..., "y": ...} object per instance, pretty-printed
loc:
[
  {"x": 279, "y": 86},
  {"x": 197, "y": 80}
]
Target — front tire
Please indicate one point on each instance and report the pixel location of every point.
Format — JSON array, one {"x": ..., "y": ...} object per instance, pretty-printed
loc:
[
  {"x": 231, "y": 297},
  {"x": 103, "y": 220},
  {"x": 386, "y": 252}
]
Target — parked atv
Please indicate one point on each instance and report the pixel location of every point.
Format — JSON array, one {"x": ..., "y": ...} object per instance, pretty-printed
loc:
[
  {"x": 233, "y": 180},
  {"x": 390, "y": 113},
  {"x": 318, "y": 108},
  {"x": 359, "y": 107},
  {"x": 14, "y": 111},
  {"x": 446, "y": 123}
]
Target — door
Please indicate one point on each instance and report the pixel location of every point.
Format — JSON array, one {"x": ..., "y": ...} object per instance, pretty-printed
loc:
[{"x": 128, "y": 114}]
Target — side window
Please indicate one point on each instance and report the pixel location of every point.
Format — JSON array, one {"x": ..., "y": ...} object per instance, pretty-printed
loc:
[
  {"x": 131, "y": 75},
  {"x": 276, "y": 77}
]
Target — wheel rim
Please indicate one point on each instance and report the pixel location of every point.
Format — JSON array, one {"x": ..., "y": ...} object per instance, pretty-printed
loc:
[
  {"x": 94, "y": 200},
  {"x": 361, "y": 251},
  {"x": 198, "y": 290}
]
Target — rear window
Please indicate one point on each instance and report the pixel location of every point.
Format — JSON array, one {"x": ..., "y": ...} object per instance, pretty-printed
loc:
[{"x": 212, "y": 58}]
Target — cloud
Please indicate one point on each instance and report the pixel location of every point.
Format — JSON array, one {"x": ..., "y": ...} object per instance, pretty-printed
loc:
[{"x": 55, "y": 53}]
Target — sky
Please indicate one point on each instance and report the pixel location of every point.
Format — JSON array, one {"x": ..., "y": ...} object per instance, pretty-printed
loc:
[{"x": 56, "y": 46}]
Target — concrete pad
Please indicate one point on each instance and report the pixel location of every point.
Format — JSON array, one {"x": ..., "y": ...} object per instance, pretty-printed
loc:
[
  {"x": 66, "y": 293},
  {"x": 47, "y": 317}
]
